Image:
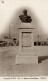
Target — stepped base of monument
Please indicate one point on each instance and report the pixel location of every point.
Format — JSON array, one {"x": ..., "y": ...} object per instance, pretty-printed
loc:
[{"x": 26, "y": 59}]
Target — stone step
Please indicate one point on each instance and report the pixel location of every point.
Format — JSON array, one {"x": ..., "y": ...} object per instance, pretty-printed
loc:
[{"x": 26, "y": 59}]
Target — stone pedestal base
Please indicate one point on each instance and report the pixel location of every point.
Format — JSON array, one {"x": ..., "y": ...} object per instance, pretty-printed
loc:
[
  {"x": 26, "y": 54},
  {"x": 26, "y": 59}
]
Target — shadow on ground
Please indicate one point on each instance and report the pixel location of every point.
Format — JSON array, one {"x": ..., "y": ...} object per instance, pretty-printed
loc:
[{"x": 42, "y": 58}]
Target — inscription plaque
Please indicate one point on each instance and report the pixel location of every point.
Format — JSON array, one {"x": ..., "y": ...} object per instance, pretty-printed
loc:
[{"x": 26, "y": 39}]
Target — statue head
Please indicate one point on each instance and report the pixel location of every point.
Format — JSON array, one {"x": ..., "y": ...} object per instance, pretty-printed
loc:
[{"x": 25, "y": 12}]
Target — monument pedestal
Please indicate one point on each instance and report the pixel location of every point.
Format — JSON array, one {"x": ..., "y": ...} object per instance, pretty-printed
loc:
[
  {"x": 26, "y": 59},
  {"x": 26, "y": 54}
]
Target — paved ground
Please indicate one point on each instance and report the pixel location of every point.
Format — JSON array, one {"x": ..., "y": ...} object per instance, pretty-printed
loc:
[{"x": 9, "y": 68}]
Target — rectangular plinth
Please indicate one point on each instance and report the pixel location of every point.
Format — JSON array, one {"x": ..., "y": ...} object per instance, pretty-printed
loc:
[{"x": 26, "y": 59}]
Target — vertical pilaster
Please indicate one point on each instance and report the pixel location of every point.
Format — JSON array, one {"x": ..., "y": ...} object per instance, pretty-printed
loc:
[
  {"x": 20, "y": 41},
  {"x": 32, "y": 41}
]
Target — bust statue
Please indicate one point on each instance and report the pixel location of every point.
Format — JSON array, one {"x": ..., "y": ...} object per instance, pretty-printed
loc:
[{"x": 25, "y": 18}]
